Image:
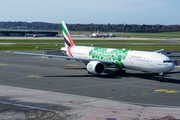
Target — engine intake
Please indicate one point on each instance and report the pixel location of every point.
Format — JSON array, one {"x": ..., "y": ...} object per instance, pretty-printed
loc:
[{"x": 95, "y": 67}]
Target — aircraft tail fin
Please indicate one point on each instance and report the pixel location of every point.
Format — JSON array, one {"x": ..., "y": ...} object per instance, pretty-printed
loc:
[{"x": 67, "y": 37}]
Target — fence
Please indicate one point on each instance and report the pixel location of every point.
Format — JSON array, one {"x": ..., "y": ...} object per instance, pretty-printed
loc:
[{"x": 176, "y": 62}]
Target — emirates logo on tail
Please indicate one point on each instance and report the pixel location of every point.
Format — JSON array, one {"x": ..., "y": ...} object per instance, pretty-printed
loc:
[{"x": 67, "y": 38}]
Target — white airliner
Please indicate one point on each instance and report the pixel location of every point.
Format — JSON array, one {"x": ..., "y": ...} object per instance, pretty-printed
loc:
[
  {"x": 96, "y": 34},
  {"x": 98, "y": 59}
]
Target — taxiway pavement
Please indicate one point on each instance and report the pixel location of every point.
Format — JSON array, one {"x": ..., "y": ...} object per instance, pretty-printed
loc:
[{"x": 40, "y": 83}]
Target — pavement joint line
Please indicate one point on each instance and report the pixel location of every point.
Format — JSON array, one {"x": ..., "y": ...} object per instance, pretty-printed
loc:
[
  {"x": 48, "y": 99},
  {"x": 92, "y": 113},
  {"x": 142, "y": 110},
  {"x": 27, "y": 106}
]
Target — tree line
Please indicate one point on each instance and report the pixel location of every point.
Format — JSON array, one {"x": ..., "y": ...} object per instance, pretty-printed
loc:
[{"x": 92, "y": 27}]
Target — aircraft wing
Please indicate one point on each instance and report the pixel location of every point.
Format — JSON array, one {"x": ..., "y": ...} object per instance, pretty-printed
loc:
[
  {"x": 49, "y": 49},
  {"x": 159, "y": 51},
  {"x": 63, "y": 57}
]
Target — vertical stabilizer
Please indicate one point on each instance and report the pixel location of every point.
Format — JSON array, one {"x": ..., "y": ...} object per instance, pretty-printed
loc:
[{"x": 67, "y": 37}]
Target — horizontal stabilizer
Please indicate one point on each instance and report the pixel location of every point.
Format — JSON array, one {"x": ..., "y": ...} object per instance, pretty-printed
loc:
[{"x": 49, "y": 49}]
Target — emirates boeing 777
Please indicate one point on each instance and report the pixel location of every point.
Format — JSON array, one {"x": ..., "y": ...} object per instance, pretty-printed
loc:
[{"x": 98, "y": 59}]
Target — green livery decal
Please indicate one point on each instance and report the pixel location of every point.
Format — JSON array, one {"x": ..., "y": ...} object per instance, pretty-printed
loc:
[{"x": 115, "y": 55}]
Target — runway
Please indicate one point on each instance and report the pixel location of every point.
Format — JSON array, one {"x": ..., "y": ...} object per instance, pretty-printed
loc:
[
  {"x": 21, "y": 75},
  {"x": 89, "y": 38}
]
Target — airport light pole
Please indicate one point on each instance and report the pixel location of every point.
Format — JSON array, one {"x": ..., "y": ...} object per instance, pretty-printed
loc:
[{"x": 25, "y": 28}]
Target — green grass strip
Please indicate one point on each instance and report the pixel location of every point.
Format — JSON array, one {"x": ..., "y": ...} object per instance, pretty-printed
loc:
[
  {"x": 82, "y": 41},
  {"x": 132, "y": 47}
]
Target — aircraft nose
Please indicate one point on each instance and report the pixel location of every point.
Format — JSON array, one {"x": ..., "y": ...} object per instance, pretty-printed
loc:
[{"x": 172, "y": 66}]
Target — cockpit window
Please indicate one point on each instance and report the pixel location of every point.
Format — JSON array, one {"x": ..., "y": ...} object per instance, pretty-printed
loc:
[{"x": 167, "y": 61}]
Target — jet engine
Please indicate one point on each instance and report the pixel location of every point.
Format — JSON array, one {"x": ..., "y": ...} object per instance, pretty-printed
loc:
[{"x": 95, "y": 67}]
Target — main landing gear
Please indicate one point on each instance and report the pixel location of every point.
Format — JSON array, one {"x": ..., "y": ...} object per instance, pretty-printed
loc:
[
  {"x": 120, "y": 72},
  {"x": 161, "y": 79}
]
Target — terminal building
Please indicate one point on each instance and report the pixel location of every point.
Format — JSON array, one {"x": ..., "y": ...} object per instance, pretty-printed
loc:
[{"x": 28, "y": 33}]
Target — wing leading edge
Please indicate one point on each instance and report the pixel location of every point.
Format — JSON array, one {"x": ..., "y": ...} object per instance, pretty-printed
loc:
[{"x": 63, "y": 57}]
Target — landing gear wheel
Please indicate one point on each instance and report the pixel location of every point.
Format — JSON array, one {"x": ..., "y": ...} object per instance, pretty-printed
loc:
[
  {"x": 120, "y": 72},
  {"x": 89, "y": 73},
  {"x": 161, "y": 79},
  {"x": 123, "y": 72}
]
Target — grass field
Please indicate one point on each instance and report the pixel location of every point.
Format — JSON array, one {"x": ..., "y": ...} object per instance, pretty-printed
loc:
[
  {"x": 28, "y": 47},
  {"x": 132, "y": 47}
]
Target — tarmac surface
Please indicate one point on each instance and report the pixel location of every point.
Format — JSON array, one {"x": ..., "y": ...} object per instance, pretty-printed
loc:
[{"x": 46, "y": 87}]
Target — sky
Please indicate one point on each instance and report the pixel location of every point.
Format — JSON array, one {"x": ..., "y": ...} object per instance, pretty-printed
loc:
[{"x": 165, "y": 12}]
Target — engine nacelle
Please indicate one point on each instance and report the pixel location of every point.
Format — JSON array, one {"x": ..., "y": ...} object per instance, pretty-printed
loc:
[{"x": 95, "y": 67}]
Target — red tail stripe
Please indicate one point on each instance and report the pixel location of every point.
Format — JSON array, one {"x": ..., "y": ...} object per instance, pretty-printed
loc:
[
  {"x": 69, "y": 51},
  {"x": 70, "y": 40}
]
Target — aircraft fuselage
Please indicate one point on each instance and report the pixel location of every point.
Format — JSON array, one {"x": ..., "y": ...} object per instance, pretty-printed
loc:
[{"x": 125, "y": 59}]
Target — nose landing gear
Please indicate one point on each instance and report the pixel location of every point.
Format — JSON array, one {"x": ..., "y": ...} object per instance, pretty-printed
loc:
[{"x": 161, "y": 79}]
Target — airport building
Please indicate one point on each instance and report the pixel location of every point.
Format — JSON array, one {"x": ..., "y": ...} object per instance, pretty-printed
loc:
[{"x": 28, "y": 33}]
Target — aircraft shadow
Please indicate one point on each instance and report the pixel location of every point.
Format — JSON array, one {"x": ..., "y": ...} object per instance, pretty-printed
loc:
[
  {"x": 75, "y": 68},
  {"x": 113, "y": 75},
  {"x": 155, "y": 77},
  {"x": 92, "y": 76},
  {"x": 107, "y": 74}
]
